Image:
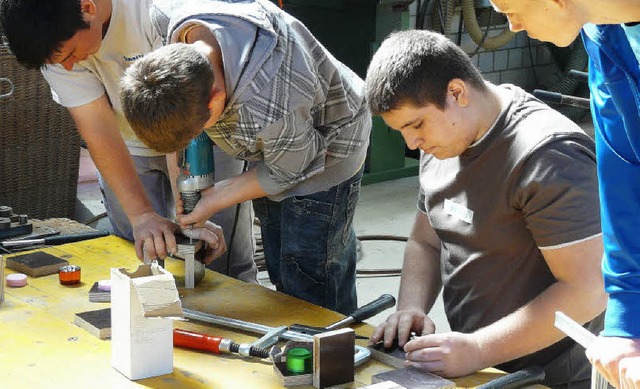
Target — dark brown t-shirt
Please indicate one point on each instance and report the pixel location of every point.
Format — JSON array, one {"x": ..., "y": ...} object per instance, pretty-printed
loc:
[{"x": 529, "y": 183}]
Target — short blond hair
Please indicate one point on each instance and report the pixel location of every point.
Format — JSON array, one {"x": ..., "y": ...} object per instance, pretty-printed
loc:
[{"x": 165, "y": 96}]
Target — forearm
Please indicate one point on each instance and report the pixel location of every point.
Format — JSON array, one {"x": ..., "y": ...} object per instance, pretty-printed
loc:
[
  {"x": 531, "y": 327},
  {"x": 419, "y": 286},
  {"x": 97, "y": 126},
  {"x": 420, "y": 283},
  {"x": 234, "y": 190},
  {"x": 578, "y": 292},
  {"x": 120, "y": 174}
]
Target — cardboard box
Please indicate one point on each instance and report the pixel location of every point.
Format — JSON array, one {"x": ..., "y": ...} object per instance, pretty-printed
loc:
[{"x": 143, "y": 304}]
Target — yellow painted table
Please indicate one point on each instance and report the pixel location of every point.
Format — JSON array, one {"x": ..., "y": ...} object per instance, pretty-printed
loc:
[{"x": 40, "y": 347}]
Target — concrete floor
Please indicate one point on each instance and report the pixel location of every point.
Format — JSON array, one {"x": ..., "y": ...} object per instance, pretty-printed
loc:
[{"x": 386, "y": 208}]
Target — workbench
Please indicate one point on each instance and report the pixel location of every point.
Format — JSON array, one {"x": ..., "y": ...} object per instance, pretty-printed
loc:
[{"x": 40, "y": 347}]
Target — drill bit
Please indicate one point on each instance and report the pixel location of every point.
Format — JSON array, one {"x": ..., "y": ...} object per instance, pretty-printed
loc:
[{"x": 190, "y": 200}]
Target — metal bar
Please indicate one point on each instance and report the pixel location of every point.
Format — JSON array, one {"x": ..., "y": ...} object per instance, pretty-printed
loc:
[
  {"x": 574, "y": 330},
  {"x": 573, "y": 101},
  {"x": 361, "y": 354},
  {"x": 558, "y": 98},
  {"x": 58, "y": 239},
  {"x": 578, "y": 75},
  {"x": 243, "y": 325}
]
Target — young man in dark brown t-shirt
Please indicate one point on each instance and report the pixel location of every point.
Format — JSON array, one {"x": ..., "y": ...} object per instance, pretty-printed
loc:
[{"x": 508, "y": 224}]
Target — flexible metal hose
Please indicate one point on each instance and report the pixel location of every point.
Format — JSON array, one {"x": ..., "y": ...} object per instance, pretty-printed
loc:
[{"x": 474, "y": 31}]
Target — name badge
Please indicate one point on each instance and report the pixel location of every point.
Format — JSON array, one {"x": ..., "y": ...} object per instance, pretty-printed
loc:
[{"x": 457, "y": 210}]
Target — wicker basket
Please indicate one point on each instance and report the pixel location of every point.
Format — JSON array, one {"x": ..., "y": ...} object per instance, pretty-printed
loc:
[{"x": 39, "y": 145}]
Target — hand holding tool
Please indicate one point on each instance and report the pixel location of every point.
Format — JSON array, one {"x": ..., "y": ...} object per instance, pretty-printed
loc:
[
  {"x": 196, "y": 174},
  {"x": 583, "y": 337},
  {"x": 366, "y": 311},
  {"x": 196, "y": 170},
  {"x": 213, "y": 344}
]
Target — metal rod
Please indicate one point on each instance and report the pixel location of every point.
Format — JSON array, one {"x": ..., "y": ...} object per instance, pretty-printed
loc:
[
  {"x": 574, "y": 330},
  {"x": 578, "y": 75},
  {"x": 346, "y": 321},
  {"x": 24, "y": 242},
  {"x": 558, "y": 98},
  {"x": 243, "y": 325},
  {"x": 361, "y": 354},
  {"x": 58, "y": 239}
]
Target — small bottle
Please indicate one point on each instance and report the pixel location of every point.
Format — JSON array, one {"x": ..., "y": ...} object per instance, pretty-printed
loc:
[{"x": 69, "y": 275}]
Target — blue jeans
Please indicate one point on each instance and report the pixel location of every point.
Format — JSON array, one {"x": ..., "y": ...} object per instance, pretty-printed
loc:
[{"x": 310, "y": 245}]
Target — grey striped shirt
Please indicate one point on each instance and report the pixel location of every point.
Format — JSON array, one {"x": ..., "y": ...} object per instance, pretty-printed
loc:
[{"x": 295, "y": 111}]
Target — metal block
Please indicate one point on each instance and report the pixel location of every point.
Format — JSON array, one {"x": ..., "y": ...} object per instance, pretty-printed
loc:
[
  {"x": 332, "y": 358},
  {"x": 12, "y": 224},
  {"x": 186, "y": 265}
]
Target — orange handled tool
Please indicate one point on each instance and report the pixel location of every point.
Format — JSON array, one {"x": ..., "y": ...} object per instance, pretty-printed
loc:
[{"x": 214, "y": 344}]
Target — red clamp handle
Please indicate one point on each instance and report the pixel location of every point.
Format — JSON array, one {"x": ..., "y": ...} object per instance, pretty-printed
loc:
[{"x": 196, "y": 341}]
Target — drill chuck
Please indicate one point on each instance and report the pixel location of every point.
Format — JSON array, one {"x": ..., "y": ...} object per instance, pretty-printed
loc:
[{"x": 190, "y": 199}]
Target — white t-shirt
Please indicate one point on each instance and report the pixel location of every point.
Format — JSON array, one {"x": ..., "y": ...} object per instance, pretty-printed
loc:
[{"x": 130, "y": 36}]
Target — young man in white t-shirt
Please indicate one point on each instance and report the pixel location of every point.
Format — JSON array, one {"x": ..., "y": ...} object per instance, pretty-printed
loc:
[{"x": 83, "y": 48}]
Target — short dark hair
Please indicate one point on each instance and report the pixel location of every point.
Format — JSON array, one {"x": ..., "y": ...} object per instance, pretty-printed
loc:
[
  {"x": 36, "y": 29},
  {"x": 415, "y": 67},
  {"x": 165, "y": 96}
]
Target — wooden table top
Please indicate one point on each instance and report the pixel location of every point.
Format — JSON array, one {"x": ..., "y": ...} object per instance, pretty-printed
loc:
[{"x": 41, "y": 347}]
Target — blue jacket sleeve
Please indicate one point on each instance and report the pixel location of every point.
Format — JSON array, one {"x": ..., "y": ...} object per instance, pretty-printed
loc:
[{"x": 614, "y": 77}]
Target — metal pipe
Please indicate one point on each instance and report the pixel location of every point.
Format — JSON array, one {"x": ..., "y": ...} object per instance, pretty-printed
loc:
[
  {"x": 558, "y": 98},
  {"x": 361, "y": 354},
  {"x": 242, "y": 325}
]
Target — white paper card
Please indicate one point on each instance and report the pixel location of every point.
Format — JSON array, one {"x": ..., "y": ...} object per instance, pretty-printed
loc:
[{"x": 457, "y": 210}]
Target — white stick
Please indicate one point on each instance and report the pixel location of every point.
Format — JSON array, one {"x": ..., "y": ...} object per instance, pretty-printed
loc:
[{"x": 574, "y": 330}]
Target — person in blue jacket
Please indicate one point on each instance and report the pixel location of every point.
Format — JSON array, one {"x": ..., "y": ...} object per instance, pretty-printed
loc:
[{"x": 611, "y": 35}]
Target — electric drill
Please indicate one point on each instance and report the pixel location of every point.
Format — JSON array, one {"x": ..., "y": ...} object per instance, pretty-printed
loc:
[
  {"x": 196, "y": 174},
  {"x": 196, "y": 170}
]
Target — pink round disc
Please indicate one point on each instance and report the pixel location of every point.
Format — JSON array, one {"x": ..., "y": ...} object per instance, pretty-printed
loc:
[
  {"x": 104, "y": 285},
  {"x": 16, "y": 280}
]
